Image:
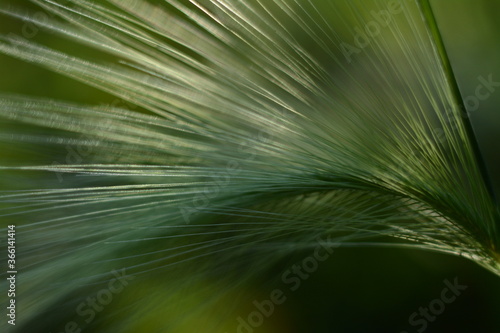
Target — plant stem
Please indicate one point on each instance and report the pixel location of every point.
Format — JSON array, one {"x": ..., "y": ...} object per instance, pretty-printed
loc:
[{"x": 430, "y": 19}]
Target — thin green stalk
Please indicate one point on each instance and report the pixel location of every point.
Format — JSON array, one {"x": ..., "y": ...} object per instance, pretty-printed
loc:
[{"x": 431, "y": 22}]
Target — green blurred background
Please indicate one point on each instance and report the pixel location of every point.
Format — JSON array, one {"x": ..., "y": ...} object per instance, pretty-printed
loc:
[{"x": 361, "y": 290}]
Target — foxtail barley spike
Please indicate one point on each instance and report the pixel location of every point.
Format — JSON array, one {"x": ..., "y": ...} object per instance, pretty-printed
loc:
[{"x": 242, "y": 130}]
